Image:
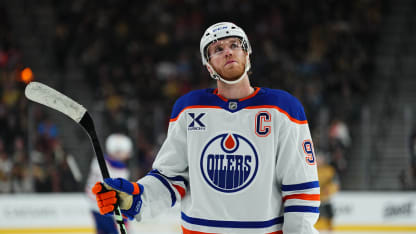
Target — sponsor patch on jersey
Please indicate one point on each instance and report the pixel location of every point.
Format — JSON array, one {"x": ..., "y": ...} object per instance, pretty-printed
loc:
[
  {"x": 196, "y": 122},
  {"x": 229, "y": 162}
]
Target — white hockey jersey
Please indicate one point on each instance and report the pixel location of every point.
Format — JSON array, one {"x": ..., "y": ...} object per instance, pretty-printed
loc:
[{"x": 236, "y": 166}]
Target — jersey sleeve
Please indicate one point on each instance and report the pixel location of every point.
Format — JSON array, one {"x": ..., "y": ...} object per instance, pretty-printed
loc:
[
  {"x": 297, "y": 175},
  {"x": 167, "y": 183}
]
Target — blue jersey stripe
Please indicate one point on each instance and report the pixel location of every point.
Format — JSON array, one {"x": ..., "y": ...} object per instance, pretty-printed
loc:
[
  {"x": 115, "y": 163},
  {"x": 202, "y": 97},
  {"x": 307, "y": 185},
  {"x": 306, "y": 209},
  {"x": 265, "y": 97},
  {"x": 167, "y": 185},
  {"x": 174, "y": 178},
  {"x": 231, "y": 224}
]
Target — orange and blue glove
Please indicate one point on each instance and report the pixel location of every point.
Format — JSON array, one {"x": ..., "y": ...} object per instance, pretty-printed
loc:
[{"x": 126, "y": 193}]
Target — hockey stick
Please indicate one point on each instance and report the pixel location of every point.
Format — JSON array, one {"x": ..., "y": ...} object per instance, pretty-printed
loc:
[{"x": 51, "y": 98}]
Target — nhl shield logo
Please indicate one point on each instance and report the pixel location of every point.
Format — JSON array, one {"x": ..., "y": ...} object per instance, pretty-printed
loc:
[
  {"x": 232, "y": 105},
  {"x": 229, "y": 162}
]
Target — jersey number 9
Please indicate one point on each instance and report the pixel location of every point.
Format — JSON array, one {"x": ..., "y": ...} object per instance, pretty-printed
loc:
[{"x": 308, "y": 150}]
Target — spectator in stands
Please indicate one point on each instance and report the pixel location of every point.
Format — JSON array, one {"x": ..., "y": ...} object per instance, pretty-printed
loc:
[
  {"x": 339, "y": 143},
  {"x": 5, "y": 170},
  {"x": 412, "y": 148},
  {"x": 21, "y": 178},
  {"x": 329, "y": 184},
  {"x": 14, "y": 165},
  {"x": 407, "y": 176}
]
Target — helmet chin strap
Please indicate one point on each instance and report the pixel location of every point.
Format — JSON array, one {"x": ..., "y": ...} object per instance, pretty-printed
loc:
[{"x": 216, "y": 76}]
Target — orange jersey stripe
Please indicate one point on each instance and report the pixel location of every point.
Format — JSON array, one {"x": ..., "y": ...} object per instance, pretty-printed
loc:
[
  {"x": 222, "y": 98},
  {"x": 187, "y": 231},
  {"x": 249, "y": 107},
  {"x": 303, "y": 196},
  {"x": 193, "y": 107},
  {"x": 180, "y": 190},
  {"x": 281, "y": 111},
  {"x": 256, "y": 90}
]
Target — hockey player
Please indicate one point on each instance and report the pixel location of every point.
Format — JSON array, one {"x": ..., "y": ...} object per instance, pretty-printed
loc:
[
  {"x": 119, "y": 149},
  {"x": 239, "y": 159}
]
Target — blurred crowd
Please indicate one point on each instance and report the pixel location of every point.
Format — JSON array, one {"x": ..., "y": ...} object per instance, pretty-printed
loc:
[
  {"x": 38, "y": 166},
  {"x": 138, "y": 57},
  {"x": 13, "y": 122},
  {"x": 142, "y": 55}
]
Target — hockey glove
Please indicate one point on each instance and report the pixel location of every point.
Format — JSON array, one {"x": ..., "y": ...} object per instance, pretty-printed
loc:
[{"x": 126, "y": 193}]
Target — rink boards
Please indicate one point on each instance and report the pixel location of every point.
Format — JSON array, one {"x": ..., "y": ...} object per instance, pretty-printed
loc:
[{"x": 69, "y": 213}]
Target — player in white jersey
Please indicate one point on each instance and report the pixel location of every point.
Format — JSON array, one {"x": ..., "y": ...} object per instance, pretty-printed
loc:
[
  {"x": 239, "y": 159},
  {"x": 118, "y": 148}
]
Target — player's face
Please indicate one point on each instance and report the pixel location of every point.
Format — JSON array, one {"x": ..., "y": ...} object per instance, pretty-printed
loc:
[{"x": 227, "y": 57}]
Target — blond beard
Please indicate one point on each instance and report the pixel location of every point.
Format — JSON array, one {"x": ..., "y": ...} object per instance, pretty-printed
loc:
[{"x": 234, "y": 74}]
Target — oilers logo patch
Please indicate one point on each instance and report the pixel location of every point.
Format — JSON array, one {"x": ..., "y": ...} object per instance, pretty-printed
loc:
[{"x": 229, "y": 162}]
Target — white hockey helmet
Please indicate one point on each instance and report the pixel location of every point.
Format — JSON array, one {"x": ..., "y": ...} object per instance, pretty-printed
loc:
[
  {"x": 217, "y": 32},
  {"x": 119, "y": 146}
]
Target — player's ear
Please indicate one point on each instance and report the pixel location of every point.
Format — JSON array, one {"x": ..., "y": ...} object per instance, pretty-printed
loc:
[{"x": 209, "y": 68}]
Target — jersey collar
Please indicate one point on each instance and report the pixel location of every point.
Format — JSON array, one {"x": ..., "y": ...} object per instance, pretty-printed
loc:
[{"x": 256, "y": 90}]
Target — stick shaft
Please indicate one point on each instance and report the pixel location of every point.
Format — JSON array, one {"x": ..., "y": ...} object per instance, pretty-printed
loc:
[{"x": 88, "y": 125}]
